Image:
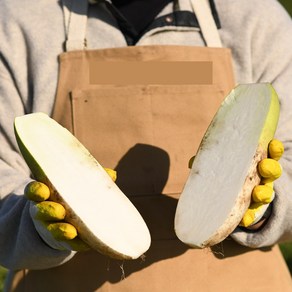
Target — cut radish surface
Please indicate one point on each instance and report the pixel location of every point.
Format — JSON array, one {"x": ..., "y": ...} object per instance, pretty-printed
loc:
[
  {"x": 224, "y": 171},
  {"x": 104, "y": 217}
]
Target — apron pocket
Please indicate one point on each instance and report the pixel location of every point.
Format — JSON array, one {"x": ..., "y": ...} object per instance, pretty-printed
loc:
[{"x": 147, "y": 133}]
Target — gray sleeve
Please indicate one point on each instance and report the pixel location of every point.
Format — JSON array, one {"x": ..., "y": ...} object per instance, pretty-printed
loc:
[
  {"x": 20, "y": 244},
  {"x": 271, "y": 60}
]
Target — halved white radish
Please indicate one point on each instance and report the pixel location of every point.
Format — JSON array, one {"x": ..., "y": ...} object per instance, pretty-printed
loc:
[
  {"x": 224, "y": 171},
  {"x": 104, "y": 217}
]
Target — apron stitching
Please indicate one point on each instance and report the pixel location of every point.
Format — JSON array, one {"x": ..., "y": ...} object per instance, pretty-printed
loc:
[
  {"x": 73, "y": 113},
  {"x": 152, "y": 129}
]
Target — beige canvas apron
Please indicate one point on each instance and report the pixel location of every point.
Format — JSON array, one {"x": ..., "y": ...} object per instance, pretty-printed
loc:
[{"x": 147, "y": 127}]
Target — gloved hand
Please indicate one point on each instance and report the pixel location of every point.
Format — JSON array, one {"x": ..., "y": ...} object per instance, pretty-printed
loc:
[
  {"x": 49, "y": 218},
  {"x": 263, "y": 194}
]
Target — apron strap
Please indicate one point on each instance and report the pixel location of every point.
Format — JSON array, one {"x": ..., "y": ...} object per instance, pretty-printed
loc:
[
  {"x": 75, "y": 18},
  {"x": 208, "y": 27}
]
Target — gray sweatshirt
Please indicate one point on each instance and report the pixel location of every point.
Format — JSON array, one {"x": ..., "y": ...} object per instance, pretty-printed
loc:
[{"x": 32, "y": 34}]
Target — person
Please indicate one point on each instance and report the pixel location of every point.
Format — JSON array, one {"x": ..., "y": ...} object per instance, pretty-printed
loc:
[{"x": 148, "y": 131}]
